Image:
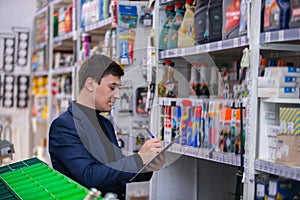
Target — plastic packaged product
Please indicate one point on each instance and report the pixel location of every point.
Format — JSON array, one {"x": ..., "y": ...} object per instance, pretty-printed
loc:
[
  {"x": 186, "y": 32},
  {"x": 194, "y": 81},
  {"x": 231, "y": 18},
  {"x": 163, "y": 40},
  {"x": 213, "y": 83},
  {"x": 204, "y": 80},
  {"x": 160, "y": 85},
  {"x": 176, "y": 23},
  {"x": 201, "y": 21},
  {"x": 171, "y": 85},
  {"x": 295, "y": 16}
]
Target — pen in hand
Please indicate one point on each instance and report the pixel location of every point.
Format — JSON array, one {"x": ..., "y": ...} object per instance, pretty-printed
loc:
[{"x": 149, "y": 133}]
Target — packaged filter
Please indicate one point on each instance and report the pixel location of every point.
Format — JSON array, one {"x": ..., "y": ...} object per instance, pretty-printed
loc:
[
  {"x": 231, "y": 18},
  {"x": 186, "y": 32},
  {"x": 295, "y": 16}
]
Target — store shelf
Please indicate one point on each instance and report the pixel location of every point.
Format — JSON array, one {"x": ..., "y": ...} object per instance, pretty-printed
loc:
[
  {"x": 61, "y": 2},
  {"x": 206, "y": 154},
  {"x": 277, "y": 169},
  {"x": 169, "y": 2},
  {"x": 40, "y": 73},
  {"x": 281, "y": 100},
  {"x": 205, "y": 48},
  {"x": 63, "y": 70},
  {"x": 40, "y": 46},
  {"x": 63, "y": 37},
  {"x": 280, "y": 36},
  {"x": 98, "y": 26},
  {"x": 42, "y": 11}
]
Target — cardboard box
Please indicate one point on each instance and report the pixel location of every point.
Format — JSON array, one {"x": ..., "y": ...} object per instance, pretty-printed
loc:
[
  {"x": 289, "y": 119},
  {"x": 275, "y": 82},
  {"x": 288, "y": 150},
  {"x": 283, "y": 92}
]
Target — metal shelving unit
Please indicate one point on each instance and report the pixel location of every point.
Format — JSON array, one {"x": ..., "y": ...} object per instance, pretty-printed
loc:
[
  {"x": 270, "y": 167},
  {"x": 281, "y": 43}
]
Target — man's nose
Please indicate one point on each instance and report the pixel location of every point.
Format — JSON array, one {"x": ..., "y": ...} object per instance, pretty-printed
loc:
[{"x": 117, "y": 93}]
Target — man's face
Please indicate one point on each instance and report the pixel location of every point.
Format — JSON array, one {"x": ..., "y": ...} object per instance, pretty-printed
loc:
[{"x": 107, "y": 92}]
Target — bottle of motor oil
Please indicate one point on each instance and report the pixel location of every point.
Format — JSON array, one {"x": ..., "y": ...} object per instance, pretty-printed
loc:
[
  {"x": 243, "y": 18},
  {"x": 231, "y": 18},
  {"x": 176, "y": 23},
  {"x": 163, "y": 40},
  {"x": 215, "y": 18},
  {"x": 295, "y": 16},
  {"x": 201, "y": 21},
  {"x": 271, "y": 15},
  {"x": 285, "y": 13},
  {"x": 186, "y": 32}
]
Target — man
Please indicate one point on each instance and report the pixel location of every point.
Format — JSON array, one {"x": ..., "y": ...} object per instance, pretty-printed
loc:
[{"x": 82, "y": 143}]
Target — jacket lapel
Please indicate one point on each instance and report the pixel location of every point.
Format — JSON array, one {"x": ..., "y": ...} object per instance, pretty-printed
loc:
[{"x": 88, "y": 134}]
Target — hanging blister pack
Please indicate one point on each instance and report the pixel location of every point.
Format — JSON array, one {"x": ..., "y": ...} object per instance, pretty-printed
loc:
[
  {"x": 8, "y": 91},
  {"x": 128, "y": 16},
  {"x": 22, "y": 45},
  {"x": 8, "y": 52},
  {"x": 22, "y": 91}
]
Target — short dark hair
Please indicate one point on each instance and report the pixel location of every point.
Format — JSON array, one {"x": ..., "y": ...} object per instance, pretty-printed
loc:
[{"x": 98, "y": 66}]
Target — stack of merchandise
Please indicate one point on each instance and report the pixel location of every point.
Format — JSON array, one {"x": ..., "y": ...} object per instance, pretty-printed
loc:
[
  {"x": 288, "y": 141},
  {"x": 279, "y": 82}
]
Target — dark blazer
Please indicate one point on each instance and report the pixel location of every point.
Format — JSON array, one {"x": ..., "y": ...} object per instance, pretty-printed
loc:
[{"x": 70, "y": 136}]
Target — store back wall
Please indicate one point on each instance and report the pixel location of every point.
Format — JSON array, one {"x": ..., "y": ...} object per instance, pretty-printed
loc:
[{"x": 17, "y": 13}]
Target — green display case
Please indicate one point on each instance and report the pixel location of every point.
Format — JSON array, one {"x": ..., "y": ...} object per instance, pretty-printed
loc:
[{"x": 33, "y": 179}]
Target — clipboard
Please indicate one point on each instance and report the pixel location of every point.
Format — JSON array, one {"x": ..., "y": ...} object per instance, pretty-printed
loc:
[{"x": 157, "y": 155}]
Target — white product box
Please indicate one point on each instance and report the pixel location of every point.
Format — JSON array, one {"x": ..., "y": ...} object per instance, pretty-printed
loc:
[
  {"x": 276, "y": 82},
  {"x": 273, "y": 130},
  {"x": 282, "y": 71},
  {"x": 284, "y": 92},
  {"x": 272, "y": 141},
  {"x": 272, "y": 153}
]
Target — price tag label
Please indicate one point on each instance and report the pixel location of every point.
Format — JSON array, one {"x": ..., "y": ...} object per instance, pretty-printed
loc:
[
  {"x": 235, "y": 42},
  {"x": 219, "y": 45},
  {"x": 225, "y": 158},
  {"x": 234, "y": 160},
  {"x": 268, "y": 37},
  {"x": 176, "y": 52},
  {"x": 198, "y": 49},
  {"x": 207, "y": 47},
  {"x": 281, "y": 35},
  {"x": 167, "y": 102},
  {"x": 269, "y": 115},
  {"x": 243, "y": 41},
  {"x": 182, "y": 52}
]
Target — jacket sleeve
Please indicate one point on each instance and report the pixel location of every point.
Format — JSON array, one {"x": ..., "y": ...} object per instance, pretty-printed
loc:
[{"x": 66, "y": 148}]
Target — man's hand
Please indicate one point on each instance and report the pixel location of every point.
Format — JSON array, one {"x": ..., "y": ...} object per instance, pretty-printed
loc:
[{"x": 149, "y": 150}]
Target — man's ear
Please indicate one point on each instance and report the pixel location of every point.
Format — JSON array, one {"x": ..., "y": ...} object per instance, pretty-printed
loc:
[{"x": 90, "y": 84}]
